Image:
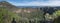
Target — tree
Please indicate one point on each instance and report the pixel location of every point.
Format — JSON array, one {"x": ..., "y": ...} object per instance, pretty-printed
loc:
[{"x": 56, "y": 20}]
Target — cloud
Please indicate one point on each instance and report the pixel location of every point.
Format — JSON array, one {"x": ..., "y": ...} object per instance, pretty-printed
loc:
[{"x": 38, "y": 3}]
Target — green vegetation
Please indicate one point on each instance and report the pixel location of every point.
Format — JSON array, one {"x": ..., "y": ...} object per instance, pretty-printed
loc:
[
  {"x": 58, "y": 13},
  {"x": 57, "y": 20},
  {"x": 6, "y": 15},
  {"x": 38, "y": 14},
  {"x": 1, "y": 15}
]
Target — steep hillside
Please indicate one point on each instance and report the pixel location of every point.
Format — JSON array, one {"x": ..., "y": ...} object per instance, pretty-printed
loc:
[{"x": 8, "y": 5}]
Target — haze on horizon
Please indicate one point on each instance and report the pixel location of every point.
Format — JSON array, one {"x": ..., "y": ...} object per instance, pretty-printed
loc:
[{"x": 35, "y": 2}]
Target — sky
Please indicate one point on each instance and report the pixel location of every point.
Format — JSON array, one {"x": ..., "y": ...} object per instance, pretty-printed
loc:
[{"x": 35, "y": 2}]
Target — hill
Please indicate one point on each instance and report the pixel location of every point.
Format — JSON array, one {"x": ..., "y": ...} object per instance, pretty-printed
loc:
[{"x": 8, "y": 5}]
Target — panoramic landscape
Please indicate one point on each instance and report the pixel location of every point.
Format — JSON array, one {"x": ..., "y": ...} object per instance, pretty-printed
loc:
[{"x": 29, "y": 11}]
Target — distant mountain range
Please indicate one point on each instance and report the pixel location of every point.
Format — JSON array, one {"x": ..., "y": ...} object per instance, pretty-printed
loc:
[{"x": 38, "y": 6}]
